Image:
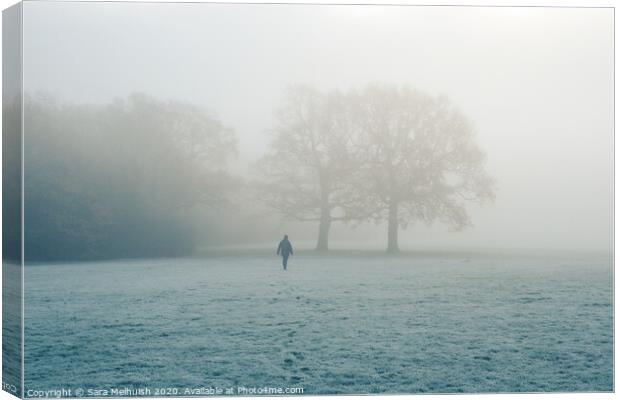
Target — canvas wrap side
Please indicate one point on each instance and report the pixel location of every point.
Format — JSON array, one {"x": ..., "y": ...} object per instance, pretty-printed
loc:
[{"x": 12, "y": 210}]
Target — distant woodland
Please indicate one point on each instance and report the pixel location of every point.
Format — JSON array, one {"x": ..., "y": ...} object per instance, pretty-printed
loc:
[{"x": 142, "y": 177}]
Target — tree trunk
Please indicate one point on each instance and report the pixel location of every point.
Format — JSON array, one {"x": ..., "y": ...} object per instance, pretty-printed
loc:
[
  {"x": 392, "y": 246},
  {"x": 326, "y": 213},
  {"x": 324, "y": 225}
]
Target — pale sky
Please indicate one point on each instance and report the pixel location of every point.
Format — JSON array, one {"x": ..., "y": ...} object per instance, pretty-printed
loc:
[{"x": 536, "y": 82}]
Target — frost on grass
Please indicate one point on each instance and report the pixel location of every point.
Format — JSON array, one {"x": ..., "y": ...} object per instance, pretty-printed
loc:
[{"x": 329, "y": 324}]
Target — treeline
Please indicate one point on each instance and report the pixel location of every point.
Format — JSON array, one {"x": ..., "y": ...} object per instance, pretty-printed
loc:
[
  {"x": 120, "y": 180},
  {"x": 142, "y": 177}
]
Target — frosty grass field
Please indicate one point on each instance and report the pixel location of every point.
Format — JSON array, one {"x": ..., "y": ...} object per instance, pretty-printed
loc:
[{"x": 331, "y": 324}]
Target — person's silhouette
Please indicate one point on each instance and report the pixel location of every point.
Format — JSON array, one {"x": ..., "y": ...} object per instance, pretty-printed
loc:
[{"x": 285, "y": 249}]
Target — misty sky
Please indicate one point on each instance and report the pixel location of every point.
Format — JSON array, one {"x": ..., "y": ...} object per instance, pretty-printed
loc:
[{"x": 536, "y": 82}]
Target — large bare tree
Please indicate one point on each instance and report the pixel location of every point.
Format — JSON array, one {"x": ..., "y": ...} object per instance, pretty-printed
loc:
[
  {"x": 305, "y": 172},
  {"x": 420, "y": 160}
]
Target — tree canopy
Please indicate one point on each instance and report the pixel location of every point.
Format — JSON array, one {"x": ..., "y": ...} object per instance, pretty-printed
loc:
[
  {"x": 385, "y": 153},
  {"x": 419, "y": 158},
  {"x": 119, "y": 179}
]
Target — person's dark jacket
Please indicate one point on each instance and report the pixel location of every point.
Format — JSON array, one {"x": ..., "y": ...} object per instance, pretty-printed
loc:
[{"x": 285, "y": 248}]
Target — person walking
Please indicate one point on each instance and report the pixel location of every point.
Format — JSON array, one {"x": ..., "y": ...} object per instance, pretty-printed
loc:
[{"x": 285, "y": 249}]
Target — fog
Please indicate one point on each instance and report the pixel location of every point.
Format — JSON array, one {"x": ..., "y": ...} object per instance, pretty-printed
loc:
[{"x": 536, "y": 84}]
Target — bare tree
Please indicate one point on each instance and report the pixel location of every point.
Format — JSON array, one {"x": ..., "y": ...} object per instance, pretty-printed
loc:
[
  {"x": 420, "y": 159},
  {"x": 305, "y": 173}
]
